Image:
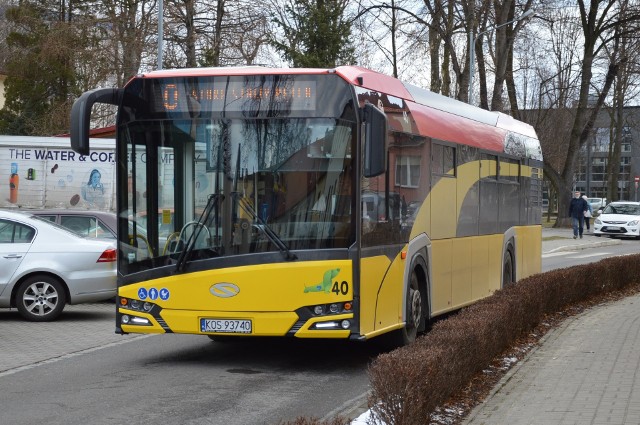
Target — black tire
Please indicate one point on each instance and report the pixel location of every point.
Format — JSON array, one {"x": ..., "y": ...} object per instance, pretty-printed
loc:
[
  {"x": 40, "y": 298},
  {"x": 507, "y": 270},
  {"x": 414, "y": 303}
]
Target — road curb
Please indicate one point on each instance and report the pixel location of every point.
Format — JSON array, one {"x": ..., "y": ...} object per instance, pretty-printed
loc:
[{"x": 586, "y": 245}]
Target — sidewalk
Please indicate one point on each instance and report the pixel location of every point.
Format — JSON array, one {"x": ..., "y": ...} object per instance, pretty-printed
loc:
[{"x": 584, "y": 372}]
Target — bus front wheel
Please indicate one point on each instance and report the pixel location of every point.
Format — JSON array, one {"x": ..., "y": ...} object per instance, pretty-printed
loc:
[{"x": 414, "y": 303}]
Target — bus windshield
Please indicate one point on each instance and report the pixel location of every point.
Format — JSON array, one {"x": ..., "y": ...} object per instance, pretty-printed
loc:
[{"x": 228, "y": 185}]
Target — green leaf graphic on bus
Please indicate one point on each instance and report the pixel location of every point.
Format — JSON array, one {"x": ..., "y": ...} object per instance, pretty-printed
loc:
[{"x": 325, "y": 285}]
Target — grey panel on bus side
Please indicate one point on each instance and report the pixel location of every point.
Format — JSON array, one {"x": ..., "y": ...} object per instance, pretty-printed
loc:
[
  {"x": 489, "y": 204},
  {"x": 508, "y": 205}
]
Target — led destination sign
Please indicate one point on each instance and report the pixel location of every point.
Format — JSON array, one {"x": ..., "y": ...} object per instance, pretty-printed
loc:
[{"x": 223, "y": 95}]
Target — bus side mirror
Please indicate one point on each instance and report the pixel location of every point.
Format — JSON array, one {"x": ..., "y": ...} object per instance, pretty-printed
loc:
[
  {"x": 375, "y": 137},
  {"x": 81, "y": 116}
]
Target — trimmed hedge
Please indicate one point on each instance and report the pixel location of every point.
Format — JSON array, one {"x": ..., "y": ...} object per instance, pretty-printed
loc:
[{"x": 409, "y": 383}]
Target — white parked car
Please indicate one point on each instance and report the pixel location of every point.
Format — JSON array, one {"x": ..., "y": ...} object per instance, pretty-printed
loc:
[
  {"x": 619, "y": 219},
  {"x": 44, "y": 266}
]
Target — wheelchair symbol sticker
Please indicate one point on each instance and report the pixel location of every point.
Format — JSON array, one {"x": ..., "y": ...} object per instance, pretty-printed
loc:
[{"x": 142, "y": 293}]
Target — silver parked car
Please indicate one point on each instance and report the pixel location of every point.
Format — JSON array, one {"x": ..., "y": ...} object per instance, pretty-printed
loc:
[{"x": 44, "y": 266}]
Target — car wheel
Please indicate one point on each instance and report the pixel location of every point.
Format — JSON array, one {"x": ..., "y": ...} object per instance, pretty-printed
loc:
[{"x": 40, "y": 298}]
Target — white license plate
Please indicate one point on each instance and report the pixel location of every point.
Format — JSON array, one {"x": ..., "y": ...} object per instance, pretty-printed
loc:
[
  {"x": 240, "y": 326},
  {"x": 616, "y": 228}
]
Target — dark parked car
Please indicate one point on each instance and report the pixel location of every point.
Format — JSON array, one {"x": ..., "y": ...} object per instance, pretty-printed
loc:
[{"x": 92, "y": 224}]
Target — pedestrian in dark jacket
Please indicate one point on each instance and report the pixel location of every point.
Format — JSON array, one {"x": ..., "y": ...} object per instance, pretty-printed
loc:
[{"x": 577, "y": 207}]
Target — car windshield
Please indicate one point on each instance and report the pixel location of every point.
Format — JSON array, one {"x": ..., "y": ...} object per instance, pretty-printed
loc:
[{"x": 625, "y": 209}]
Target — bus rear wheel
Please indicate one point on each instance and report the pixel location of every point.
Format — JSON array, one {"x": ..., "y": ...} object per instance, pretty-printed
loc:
[{"x": 507, "y": 271}]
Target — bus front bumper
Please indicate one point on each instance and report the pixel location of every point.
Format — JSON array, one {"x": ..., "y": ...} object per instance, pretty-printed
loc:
[{"x": 240, "y": 324}]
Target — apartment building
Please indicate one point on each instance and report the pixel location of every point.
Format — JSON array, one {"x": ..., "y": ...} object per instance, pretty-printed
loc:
[{"x": 591, "y": 171}]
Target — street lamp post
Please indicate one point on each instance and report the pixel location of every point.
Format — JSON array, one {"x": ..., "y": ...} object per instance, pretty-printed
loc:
[
  {"x": 472, "y": 42},
  {"x": 160, "y": 32}
]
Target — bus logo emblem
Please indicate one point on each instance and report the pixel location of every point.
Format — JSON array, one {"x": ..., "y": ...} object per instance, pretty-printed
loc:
[{"x": 224, "y": 290}]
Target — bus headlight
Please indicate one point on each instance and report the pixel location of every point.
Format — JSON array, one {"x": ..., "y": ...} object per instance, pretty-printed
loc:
[
  {"x": 134, "y": 320},
  {"x": 333, "y": 308},
  {"x": 136, "y": 305},
  {"x": 344, "y": 324}
]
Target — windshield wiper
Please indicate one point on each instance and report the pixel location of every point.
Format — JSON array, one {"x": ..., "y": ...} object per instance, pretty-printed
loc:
[
  {"x": 264, "y": 227},
  {"x": 212, "y": 202}
]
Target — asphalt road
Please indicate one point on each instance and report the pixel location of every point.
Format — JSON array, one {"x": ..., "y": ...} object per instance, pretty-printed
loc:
[
  {"x": 77, "y": 371},
  {"x": 569, "y": 257}
]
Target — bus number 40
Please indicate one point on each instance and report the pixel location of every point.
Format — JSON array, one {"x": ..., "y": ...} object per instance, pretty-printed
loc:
[{"x": 340, "y": 288}]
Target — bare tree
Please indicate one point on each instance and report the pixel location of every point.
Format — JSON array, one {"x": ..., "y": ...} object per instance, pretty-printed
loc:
[
  {"x": 243, "y": 39},
  {"x": 215, "y": 34},
  {"x": 505, "y": 33},
  {"x": 128, "y": 26},
  {"x": 390, "y": 32},
  {"x": 601, "y": 24}
]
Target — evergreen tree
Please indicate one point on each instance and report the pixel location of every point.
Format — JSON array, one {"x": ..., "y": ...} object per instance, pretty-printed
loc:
[
  {"x": 316, "y": 34},
  {"x": 40, "y": 84}
]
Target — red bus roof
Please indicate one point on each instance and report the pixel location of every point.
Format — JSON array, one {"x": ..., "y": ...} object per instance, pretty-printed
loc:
[{"x": 443, "y": 116}]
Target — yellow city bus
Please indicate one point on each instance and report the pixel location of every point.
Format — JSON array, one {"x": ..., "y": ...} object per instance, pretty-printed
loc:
[{"x": 311, "y": 203}]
